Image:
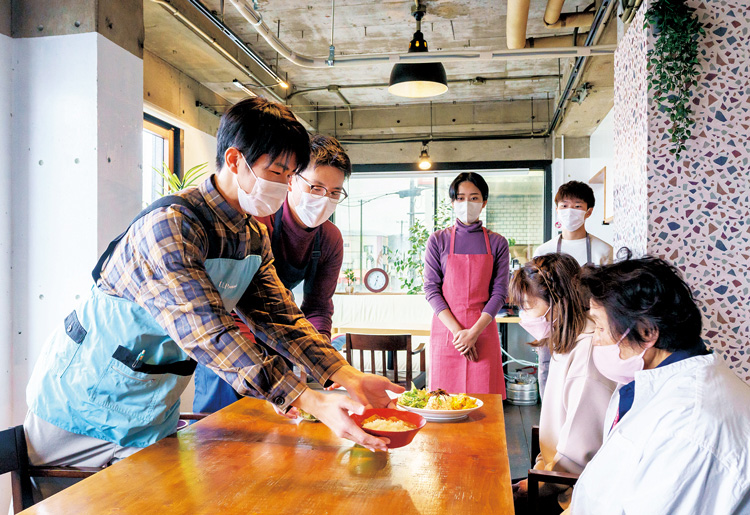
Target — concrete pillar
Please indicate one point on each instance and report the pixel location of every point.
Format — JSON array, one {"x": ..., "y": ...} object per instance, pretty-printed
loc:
[
  {"x": 693, "y": 212},
  {"x": 74, "y": 176}
]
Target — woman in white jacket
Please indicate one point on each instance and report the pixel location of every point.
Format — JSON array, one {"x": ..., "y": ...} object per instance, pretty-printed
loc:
[
  {"x": 677, "y": 431},
  {"x": 570, "y": 428}
]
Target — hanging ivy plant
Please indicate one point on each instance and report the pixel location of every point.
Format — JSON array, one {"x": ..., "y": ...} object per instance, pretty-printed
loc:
[{"x": 673, "y": 65}]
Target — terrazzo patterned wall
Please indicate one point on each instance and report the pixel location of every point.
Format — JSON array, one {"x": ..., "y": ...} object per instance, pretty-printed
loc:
[{"x": 696, "y": 212}]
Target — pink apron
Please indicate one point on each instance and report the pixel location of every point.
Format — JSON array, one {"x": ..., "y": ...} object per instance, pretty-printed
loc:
[{"x": 466, "y": 289}]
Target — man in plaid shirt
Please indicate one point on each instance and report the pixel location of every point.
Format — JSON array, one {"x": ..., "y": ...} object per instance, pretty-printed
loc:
[{"x": 109, "y": 379}]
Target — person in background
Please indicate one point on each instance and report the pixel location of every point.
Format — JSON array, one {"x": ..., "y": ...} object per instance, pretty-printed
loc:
[
  {"x": 570, "y": 427},
  {"x": 108, "y": 381},
  {"x": 307, "y": 248},
  {"x": 677, "y": 430},
  {"x": 575, "y": 202},
  {"x": 466, "y": 283}
]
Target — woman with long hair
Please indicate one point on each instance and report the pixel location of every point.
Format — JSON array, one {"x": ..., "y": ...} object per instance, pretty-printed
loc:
[{"x": 555, "y": 313}]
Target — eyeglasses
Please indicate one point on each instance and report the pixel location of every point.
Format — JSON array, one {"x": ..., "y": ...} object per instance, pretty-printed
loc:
[{"x": 337, "y": 197}]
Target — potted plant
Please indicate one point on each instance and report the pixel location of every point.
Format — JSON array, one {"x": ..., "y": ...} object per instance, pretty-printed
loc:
[
  {"x": 174, "y": 183},
  {"x": 349, "y": 275}
]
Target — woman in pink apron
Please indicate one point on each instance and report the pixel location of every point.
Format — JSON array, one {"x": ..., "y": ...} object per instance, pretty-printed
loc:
[{"x": 466, "y": 283}]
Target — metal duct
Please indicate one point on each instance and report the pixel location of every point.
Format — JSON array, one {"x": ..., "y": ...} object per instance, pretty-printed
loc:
[{"x": 515, "y": 23}]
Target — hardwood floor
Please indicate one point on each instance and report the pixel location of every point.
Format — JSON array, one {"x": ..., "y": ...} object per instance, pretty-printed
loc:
[{"x": 518, "y": 422}]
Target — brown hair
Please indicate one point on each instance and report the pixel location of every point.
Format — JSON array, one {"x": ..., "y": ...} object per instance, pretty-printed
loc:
[{"x": 554, "y": 279}]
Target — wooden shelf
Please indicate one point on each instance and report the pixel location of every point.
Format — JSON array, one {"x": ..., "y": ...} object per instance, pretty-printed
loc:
[{"x": 600, "y": 177}]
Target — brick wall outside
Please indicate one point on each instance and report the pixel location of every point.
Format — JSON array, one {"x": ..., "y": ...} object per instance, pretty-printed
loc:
[{"x": 517, "y": 216}]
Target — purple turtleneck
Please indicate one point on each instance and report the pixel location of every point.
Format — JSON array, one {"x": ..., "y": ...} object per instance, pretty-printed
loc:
[{"x": 469, "y": 240}]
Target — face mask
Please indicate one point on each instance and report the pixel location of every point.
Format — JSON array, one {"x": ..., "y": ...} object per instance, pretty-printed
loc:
[
  {"x": 467, "y": 212},
  {"x": 607, "y": 360},
  {"x": 314, "y": 211},
  {"x": 264, "y": 199},
  {"x": 571, "y": 219},
  {"x": 538, "y": 327}
]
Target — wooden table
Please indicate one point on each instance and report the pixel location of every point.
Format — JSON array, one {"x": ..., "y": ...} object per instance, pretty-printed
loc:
[{"x": 247, "y": 459}]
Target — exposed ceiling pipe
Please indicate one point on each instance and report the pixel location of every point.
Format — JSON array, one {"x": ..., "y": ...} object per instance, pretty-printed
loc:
[
  {"x": 474, "y": 80},
  {"x": 337, "y": 90},
  {"x": 601, "y": 18},
  {"x": 572, "y": 20},
  {"x": 515, "y": 23},
  {"x": 557, "y": 41},
  {"x": 208, "y": 39},
  {"x": 256, "y": 21},
  {"x": 553, "y": 10}
]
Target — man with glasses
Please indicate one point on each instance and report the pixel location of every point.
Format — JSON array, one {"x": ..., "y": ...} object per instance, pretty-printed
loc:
[
  {"x": 308, "y": 249},
  {"x": 109, "y": 379}
]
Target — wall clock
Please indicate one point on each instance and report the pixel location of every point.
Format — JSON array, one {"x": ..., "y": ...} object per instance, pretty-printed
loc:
[{"x": 376, "y": 280}]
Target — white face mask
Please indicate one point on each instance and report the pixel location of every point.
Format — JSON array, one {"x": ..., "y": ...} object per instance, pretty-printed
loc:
[
  {"x": 571, "y": 219},
  {"x": 313, "y": 211},
  {"x": 467, "y": 212},
  {"x": 264, "y": 199}
]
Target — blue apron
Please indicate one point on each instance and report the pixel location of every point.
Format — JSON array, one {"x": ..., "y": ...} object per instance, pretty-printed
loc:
[
  {"x": 211, "y": 391},
  {"x": 92, "y": 378}
]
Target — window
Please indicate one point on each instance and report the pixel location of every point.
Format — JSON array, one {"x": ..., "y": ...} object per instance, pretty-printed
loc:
[
  {"x": 387, "y": 218},
  {"x": 160, "y": 146}
]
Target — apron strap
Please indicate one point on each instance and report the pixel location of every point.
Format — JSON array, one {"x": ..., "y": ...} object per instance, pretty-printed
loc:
[
  {"x": 588, "y": 248},
  {"x": 312, "y": 266},
  {"x": 169, "y": 200},
  {"x": 310, "y": 269},
  {"x": 453, "y": 238},
  {"x": 487, "y": 241}
]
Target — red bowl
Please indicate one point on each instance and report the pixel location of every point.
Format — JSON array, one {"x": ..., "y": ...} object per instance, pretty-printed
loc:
[{"x": 397, "y": 438}]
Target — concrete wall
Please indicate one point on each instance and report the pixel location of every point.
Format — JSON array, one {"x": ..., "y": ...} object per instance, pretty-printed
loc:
[
  {"x": 76, "y": 180},
  {"x": 6, "y": 230}
]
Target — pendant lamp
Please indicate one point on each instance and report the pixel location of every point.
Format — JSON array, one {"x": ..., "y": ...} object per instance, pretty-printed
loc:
[{"x": 418, "y": 80}]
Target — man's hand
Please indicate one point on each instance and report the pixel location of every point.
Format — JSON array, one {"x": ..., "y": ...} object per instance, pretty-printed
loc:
[
  {"x": 368, "y": 389},
  {"x": 332, "y": 410},
  {"x": 291, "y": 414}
]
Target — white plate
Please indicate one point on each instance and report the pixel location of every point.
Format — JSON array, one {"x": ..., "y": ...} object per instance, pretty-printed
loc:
[{"x": 442, "y": 415}]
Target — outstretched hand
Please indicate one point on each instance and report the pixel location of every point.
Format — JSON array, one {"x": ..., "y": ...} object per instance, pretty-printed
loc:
[
  {"x": 367, "y": 389},
  {"x": 333, "y": 411}
]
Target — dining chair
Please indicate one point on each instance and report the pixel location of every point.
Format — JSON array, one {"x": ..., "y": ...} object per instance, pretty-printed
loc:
[
  {"x": 388, "y": 346},
  {"x": 14, "y": 458},
  {"x": 543, "y": 476}
]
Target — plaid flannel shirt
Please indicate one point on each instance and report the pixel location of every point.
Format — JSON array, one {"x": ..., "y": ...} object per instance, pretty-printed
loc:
[{"x": 159, "y": 265}]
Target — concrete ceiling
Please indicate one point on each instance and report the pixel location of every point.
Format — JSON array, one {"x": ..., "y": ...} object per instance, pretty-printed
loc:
[{"x": 520, "y": 94}]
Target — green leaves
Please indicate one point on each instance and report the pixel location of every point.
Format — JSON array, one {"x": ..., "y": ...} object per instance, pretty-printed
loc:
[
  {"x": 673, "y": 65},
  {"x": 409, "y": 265},
  {"x": 173, "y": 183}
]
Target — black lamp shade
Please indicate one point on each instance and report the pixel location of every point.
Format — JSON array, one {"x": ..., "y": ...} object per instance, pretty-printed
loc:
[{"x": 418, "y": 80}]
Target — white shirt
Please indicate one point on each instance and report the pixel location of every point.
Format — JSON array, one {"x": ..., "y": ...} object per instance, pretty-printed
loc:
[
  {"x": 601, "y": 252},
  {"x": 570, "y": 426},
  {"x": 683, "y": 448}
]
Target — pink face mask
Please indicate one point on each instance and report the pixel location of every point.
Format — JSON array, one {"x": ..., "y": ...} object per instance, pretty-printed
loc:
[
  {"x": 607, "y": 360},
  {"x": 538, "y": 327}
]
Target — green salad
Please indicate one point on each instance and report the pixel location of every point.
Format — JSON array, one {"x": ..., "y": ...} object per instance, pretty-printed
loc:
[{"x": 414, "y": 398}]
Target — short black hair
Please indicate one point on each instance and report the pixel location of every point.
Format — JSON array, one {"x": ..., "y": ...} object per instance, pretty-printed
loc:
[
  {"x": 327, "y": 151},
  {"x": 256, "y": 126},
  {"x": 576, "y": 190},
  {"x": 474, "y": 178},
  {"x": 643, "y": 294}
]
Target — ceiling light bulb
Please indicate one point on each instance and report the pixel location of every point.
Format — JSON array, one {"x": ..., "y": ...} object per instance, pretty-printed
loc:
[
  {"x": 283, "y": 84},
  {"x": 424, "y": 162}
]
